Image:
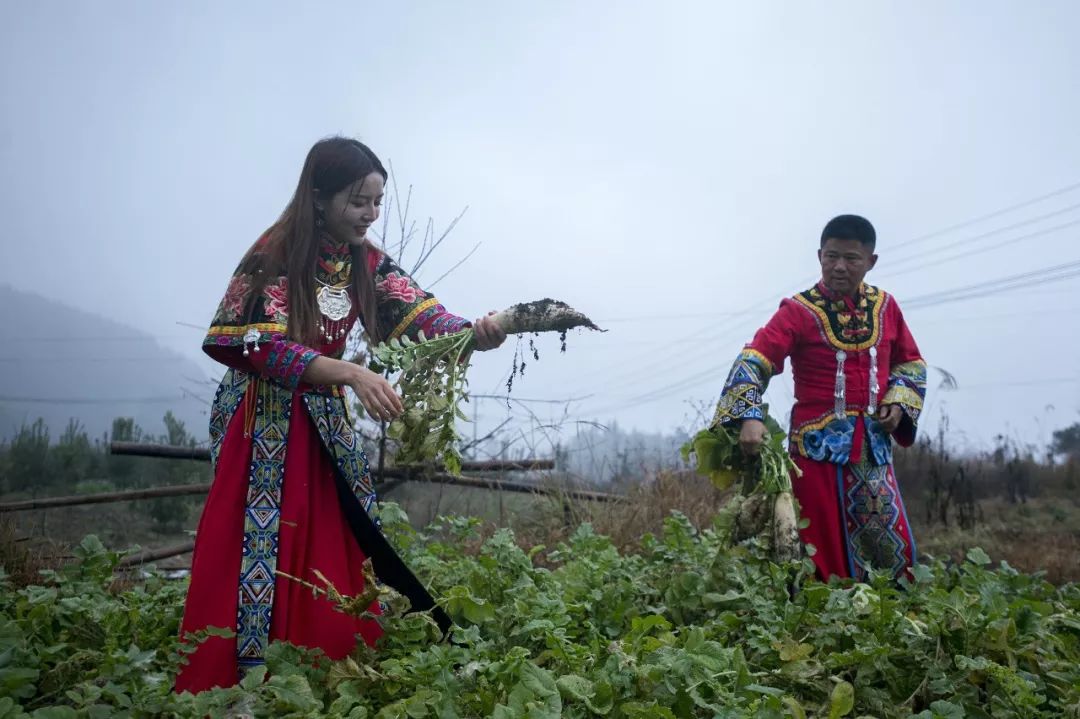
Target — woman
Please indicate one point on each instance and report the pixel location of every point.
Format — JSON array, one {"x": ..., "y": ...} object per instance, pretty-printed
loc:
[{"x": 292, "y": 492}]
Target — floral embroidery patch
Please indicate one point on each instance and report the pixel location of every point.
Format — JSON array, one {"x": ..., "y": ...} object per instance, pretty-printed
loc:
[
  {"x": 397, "y": 287},
  {"x": 277, "y": 296},
  {"x": 235, "y": 297}
]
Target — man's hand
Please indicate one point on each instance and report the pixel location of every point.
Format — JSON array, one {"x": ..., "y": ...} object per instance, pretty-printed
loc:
[
  {"x": 752, "y": 436},
  {"x": 889, "y": 416}
]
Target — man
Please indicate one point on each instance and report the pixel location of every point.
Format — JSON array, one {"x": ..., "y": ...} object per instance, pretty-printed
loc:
[{"x": 859, "y": 383}]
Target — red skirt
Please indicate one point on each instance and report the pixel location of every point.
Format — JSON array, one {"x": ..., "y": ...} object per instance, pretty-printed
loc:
[
  {"x": 857, "y": 519},
  {"x": 313, "y": 534}
]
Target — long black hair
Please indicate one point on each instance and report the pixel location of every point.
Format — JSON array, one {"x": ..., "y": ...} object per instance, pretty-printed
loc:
[{"x": 291, "y": 245}]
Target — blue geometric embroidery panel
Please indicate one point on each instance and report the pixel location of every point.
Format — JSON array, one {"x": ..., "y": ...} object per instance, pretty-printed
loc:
[
  {"x": 872, "y": 508},
  {"x": 258, "y": 565},
  {"x": 339, "y": 437},
  {"x": 229, "y": 394}
]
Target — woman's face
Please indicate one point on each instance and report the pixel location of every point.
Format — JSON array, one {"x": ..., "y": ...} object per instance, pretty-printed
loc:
[{"x": 352, "y": 211}]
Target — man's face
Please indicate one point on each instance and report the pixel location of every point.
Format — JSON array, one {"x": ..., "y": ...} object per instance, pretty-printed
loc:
[{"x": 844, "y": 264}]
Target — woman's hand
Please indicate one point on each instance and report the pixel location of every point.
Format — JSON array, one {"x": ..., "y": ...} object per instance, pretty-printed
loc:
[
  {"x": 376, "y": 395},
  {"x": 489, "y": 334}
]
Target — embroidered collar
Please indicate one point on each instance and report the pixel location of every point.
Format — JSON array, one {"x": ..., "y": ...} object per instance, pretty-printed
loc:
[
  {"x": 832, "y": 296},
  {"x": 848, "y": 323},
  {"x": 334, "y": 262}
]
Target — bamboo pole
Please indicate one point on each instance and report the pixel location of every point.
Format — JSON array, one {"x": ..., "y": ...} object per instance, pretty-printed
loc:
[
  {"x": 178, "y": 490},
  {"x": 392, "y": 473},
  {"x": 523, "y": 487},
  {"x": 162, "y": 451},
  {"x": 165, "y": 451}
]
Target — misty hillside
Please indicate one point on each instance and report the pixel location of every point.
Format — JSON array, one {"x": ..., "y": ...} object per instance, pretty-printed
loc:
[
  {"x": 60, "y": 363},
  {"x": 611, "y": 454}
]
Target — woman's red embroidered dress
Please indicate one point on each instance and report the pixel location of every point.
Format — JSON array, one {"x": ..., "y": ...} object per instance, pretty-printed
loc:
[{"x": 292, "y": 491}]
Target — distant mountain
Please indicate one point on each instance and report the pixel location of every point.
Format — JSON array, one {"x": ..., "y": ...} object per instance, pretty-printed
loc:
[{"x": 60, "y": 363}]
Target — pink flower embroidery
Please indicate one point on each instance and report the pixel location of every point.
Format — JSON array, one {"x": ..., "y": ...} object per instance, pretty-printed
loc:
[
  {"x": 235, "y": 297},
  {"x": 398, "y": 287},
  {"x": 277, "y": 296}
]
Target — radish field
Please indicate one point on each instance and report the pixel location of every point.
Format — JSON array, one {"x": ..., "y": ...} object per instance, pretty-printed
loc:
[{"x": 681, "y": 628}]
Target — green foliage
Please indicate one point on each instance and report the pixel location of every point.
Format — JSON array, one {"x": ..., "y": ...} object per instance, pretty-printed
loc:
[
  {"x": 1067, "y": 442},
  {"x": 432, "y": 386},
  {"x": 25, "y": 459},
  {"x": 31, "y": 464},
  {"x": 74, "y": 646},
  {"x": 685, "y": 628},
  {"x": 720, "y": 458}
]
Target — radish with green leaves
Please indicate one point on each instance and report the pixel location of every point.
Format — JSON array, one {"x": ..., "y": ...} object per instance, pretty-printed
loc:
[
  {"x": 433, "y": 384},
  {"x": 765, "y": 505}
]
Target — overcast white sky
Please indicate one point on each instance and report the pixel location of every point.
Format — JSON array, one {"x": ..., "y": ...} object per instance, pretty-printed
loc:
[{"x": 665, "y": 168}]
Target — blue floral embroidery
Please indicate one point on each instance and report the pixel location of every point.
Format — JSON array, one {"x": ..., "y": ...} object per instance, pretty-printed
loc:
[
  {"x": 814, "y": 444},
  {"x": 831, "y": 443},
  {"x": 880, "y": 442}
]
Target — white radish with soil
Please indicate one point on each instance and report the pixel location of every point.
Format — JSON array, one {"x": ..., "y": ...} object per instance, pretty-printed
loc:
[
  {"x": 541, "y": 316},
  {"x": 786, "y": 543}
]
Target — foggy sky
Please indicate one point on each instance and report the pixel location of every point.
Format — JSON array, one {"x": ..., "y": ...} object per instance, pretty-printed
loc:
[{"x": 667, "y": 171}]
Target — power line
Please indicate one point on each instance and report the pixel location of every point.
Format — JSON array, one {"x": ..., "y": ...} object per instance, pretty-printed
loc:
[
  {"x": 716, "y": 336},
  {"x": 524, "y": 400},
  {"x": 685, "y": 316},
  {"x": 989, "y": 216},
  {"x": 1041, "y": 276},
  {"x": 76, "y": 359},
  {"x": 1001, "y": 316},
  {"x": 1022, "y": 383},
  {"x": 979, "y": 251},
  {"x": 906, "y": 260},
  {"x": 1049, "y": 274},
  {"x": 990, "y": 233},
  {"x": 91, "y": 400},
  {"x": 95, "y": 338},
  {"x": 928, "y": 300},
  {"x": 695, "y": 336},
  {"x": 195, "y": 395}
]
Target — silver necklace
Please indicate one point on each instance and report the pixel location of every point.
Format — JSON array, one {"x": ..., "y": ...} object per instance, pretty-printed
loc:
[{"x": 334, "y": 301}]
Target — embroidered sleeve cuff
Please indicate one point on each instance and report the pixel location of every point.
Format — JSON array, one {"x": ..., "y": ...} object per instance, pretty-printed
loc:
[
  {"x": 907, "y": 388},
  {"x": 265, "y": 350},
  {"x": 232, "y": 345},
  {"x": 431, "y": 318},
  {"x": 242, "y": 335},
  {"x": 742, "y": 395},
  {"x": 286, "y": 361},
  {"x": 907, "y": 399}
]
